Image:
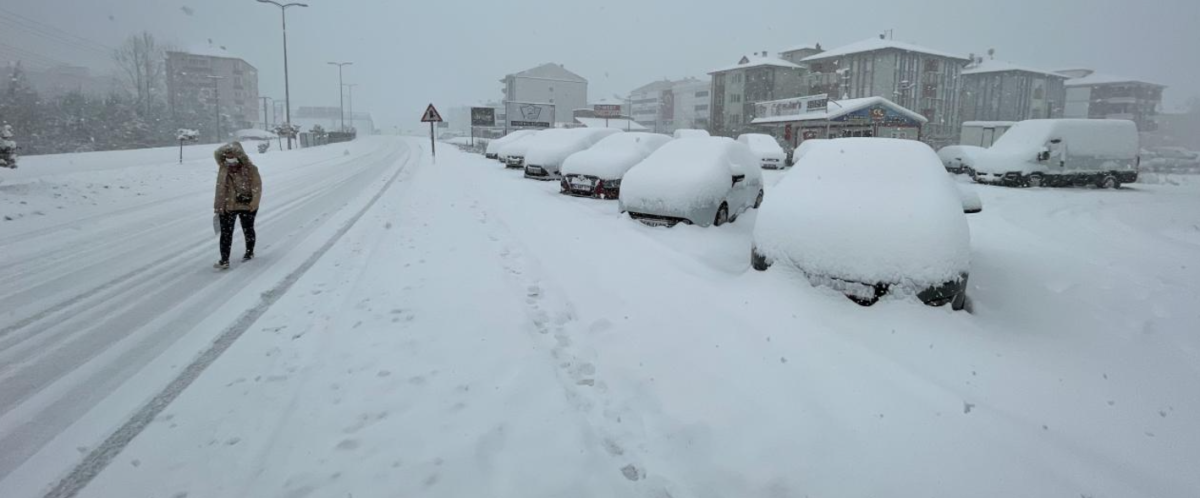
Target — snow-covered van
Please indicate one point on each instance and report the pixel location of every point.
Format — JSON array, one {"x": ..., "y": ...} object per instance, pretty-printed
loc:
[
  {"x": 983, "y": 133},
  {"x": 1062, "y": 152}
]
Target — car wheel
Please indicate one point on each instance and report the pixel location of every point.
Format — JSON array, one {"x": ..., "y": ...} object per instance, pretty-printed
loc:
[
  {"x": 960, "y": 301},
  {"x": 722, "y": 215},
  {"x": 758, "y": 200},
  {"x": 758, "y": 261},
  {"x": 1109, "y": 181},
  {"x": 1035, "y": 181}
]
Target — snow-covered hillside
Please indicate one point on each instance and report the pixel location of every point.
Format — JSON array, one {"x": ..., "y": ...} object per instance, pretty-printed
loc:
[{"x": 451, "y": 329}]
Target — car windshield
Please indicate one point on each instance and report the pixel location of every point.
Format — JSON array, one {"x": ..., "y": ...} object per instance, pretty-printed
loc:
[{"x": 668, "y": 248}]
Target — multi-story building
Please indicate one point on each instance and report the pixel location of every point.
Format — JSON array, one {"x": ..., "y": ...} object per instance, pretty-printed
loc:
[
  {"x": 548, "y": 84},
  {"x": 755, "y": 78},
  {"x": 797, "y": 54},
  {"x": 920, "y": 79},
  {"x": 665, "y": 106},
  {"x": 198, "y": 79},
  {"x": 1094, "y": 95},
  {"x": 995, "y": 90}
]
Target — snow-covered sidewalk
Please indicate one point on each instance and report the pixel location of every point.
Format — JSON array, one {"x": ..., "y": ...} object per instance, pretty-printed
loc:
[{"x": 477, "y": 334}]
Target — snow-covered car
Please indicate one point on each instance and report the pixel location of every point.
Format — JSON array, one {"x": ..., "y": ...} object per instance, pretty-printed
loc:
[
  {"x": 493, "y": 147},
  {"x": 701, "y": 181},
  {"x": 869, "y": 217},
  {"x": 691, "y": 133},
  {"x": 597, "y": 172},
  {"x": 550, "y": 148},
  {"x": 960, "y": 159},
  {"x": 770, "y": 155},
  {"x": 803, "y": 149},
  {"x": 512, "y": 154},
  {"x": 1062, "y": 153}
]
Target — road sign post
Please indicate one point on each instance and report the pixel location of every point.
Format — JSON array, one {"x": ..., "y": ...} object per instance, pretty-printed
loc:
[{"x": 432, "y": 116}]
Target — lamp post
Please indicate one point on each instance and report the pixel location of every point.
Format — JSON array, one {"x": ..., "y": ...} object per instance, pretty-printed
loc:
[
  {"x": 350, "y": 87},
  {"x": 217, "y": 100},
  {"x": 266, "y": 115},
  {"x": 287, "y": 94},
  {"x": 341, "y": 100}
]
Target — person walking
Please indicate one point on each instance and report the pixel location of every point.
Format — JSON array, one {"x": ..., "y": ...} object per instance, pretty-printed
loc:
[{"x": 239, "y": 191}]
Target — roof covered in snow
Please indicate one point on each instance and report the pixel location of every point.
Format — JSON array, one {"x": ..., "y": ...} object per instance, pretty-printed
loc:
[
  {"x": 802, "y": 46},
  {"x": 838, "y": 108},
  {"x": 995, "y": 66},
  {"x": 551, "y": 71},
  {"x": 750, "y": 61},
  {"x": 874, "y": 44},
  {"x": 1107, "y": 79},
  {"x": 210, "y": 50},
  {"x": 618, "y": 123}
]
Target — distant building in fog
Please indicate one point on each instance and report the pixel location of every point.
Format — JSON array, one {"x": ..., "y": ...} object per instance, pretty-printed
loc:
[
  {"x": 191, "y": 91},
  {"x": 995, "y": 90},
  {"x": 63, "y": 79},
  {"x": 548, "y": 84},
  {"x": 1104, "y": 96}
]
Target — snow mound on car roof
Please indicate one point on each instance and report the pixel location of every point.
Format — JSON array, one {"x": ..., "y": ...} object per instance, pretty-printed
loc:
[
  {"x": 867, "y": 210},
  {"x": 686, "y": 174},
  {"x": 551, "y": 147},
  {"x": 494, "y": 146},
  {"x": 518, "y": 146},
  {"x": 610, "y": 158}
]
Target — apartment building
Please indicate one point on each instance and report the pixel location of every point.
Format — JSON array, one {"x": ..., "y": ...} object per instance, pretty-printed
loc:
[
  {"x": 665, "y": 106},
  {"x": 200, "y": 78},
  {"x": 755, "y": 78},
  {"x": 1103, "y": 96},
  {"x": 548, "y": 84},
  {"x": 995, "y": 90}
]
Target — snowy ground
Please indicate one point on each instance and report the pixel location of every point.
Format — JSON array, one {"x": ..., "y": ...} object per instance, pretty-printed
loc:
[{"x": 460, "y": 331}]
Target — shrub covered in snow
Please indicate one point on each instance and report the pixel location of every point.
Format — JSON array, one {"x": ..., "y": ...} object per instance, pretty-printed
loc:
[
  {"x": 867, "y": 211},
  {"x": 690, "y": 179},
  {"x": 8, "y": 148}
]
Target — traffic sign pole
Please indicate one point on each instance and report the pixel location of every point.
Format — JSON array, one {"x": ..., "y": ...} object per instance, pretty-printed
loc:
[
  {"x": 432, "y": 143},
  {"x": 432, "y": 116}
]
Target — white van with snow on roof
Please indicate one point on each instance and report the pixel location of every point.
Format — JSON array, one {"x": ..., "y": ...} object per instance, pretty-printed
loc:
[{"x": 1062, "y": 153}]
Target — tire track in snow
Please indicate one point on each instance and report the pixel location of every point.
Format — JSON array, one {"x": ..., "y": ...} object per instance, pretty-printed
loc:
[{"x": 100, "y": 457}]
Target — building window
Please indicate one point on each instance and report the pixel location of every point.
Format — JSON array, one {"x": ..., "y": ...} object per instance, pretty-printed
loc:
[
  {"x": 703, "y": 107},
  {"x": 551, "y": 89},
  {"x": 929, "y": 91},
  {"x": 702, "y": 94},
  {"x": 817, "y": 67},
  {"x": 1039, "y": 93},
  {"x": 931, "y": 65}
]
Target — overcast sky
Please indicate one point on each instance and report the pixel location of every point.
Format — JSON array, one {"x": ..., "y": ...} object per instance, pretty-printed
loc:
[{"x": 407, "y": 53}]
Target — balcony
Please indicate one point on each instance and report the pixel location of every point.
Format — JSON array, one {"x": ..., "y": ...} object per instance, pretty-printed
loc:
[{"x": 1121, "y": 100}]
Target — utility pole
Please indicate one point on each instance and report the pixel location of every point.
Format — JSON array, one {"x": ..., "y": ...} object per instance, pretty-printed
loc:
[
  {"x": 266, "y": 115},
  {"x": 217, "y": 100},
  {"x": 350, "y": 100},
  {"x": 287, "y": 93},
  {"x": 341, "y": 100}
]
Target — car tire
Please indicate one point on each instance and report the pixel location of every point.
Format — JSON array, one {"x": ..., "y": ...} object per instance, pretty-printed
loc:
[
  {"x": 722, "y": 216},
  {"x": 1034, "y": 181},
  {"x": 960, "y": 301},
  {"x": 758, "y": 261},
  {"x": 758, "y": 200},
  {"x": 1109, "y": 181}
]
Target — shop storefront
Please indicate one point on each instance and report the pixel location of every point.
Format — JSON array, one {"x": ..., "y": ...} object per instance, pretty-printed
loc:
[{"x": 804, "y": 118}]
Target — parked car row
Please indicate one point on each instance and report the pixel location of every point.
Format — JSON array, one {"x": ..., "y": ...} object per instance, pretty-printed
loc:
[{"x": 867, "y": 217}]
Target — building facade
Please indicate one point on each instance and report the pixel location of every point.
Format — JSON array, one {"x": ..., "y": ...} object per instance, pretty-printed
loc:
[
  {"x": 665, "y": 106},
  {"x": 917, "y": 78},
  {"x": 1001, "y": 91},
  {"x": 758, "y": 78},
  {"x": 193, "y": 93},
  {"x": 548, "y": 84},
  {"x": 1093, "y": 95}
]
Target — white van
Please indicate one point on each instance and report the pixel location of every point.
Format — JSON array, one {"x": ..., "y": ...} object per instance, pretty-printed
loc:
[
  {"x": 1062, "y": 153},
  {"x": 983, "y": 133}
]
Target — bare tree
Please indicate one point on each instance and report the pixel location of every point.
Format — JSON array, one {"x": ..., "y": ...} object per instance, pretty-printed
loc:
[{"x": 142, "y": 61}]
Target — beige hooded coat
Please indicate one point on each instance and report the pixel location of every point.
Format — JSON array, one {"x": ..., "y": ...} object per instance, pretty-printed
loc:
[{"x": 234, "y": 181}]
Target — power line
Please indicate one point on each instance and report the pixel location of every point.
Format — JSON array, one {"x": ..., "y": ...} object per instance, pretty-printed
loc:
[
  {"x": 46, "y": 27},
  {"x": 22, "y": 54},
  {"x": 56, "y": 40}
]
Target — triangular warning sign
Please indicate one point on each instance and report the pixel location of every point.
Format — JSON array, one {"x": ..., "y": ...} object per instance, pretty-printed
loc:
[{"x": 431, "y": 115}]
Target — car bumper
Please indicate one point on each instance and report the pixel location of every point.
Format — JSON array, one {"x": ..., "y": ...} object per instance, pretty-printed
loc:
[
  {"x": 514, "y": 162},
  {"x": 656, "y": 220},
  {"x": 492, "y": 156},
  {"x": 535, "y": 172},
  {"x": 769, "y": 164}
]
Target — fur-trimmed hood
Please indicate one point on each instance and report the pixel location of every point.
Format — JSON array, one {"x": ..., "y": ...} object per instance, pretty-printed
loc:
[{"x": 236, "y": 149}]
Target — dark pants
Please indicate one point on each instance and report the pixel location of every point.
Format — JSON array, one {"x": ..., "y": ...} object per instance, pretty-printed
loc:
[{"x": 227, "y": 220}]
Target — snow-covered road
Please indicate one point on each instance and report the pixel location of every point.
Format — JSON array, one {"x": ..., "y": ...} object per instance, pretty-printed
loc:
[{"x": 477, "y": 334}]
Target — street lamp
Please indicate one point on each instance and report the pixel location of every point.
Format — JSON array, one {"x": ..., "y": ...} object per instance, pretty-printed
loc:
[
  {"x": 217, "y": 100},
  {"x": 351, "y": 99},
  {"x": 341, "y": 100},
  {"x": 266, "y": 115},
  {"x": 287, "y": 94}
]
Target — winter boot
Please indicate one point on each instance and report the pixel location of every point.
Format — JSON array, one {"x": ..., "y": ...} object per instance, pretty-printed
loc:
[
  {"x": 249, "y": 256},
  {"x": 221, "y": 265}
]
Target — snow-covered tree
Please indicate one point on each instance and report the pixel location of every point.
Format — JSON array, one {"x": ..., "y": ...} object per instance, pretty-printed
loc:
[{"x": 8, "y": 147}]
